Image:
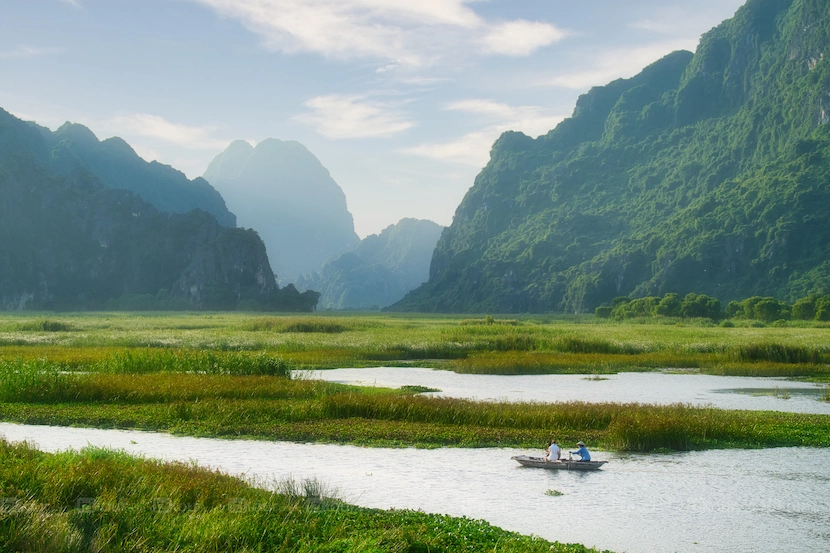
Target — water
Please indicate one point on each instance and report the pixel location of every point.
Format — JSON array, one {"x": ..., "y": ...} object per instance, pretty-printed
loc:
[
  {"x": 713, "y": 501},
  {"x": 725, "y": 392}
]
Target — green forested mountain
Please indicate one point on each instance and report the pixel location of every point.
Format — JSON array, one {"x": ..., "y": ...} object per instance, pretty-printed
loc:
[
  {"x": 67, "y": 241},
  {"x": 706, "y": 173},
  {"x": 380, "y": 270},
  {"x": 117, "y": 165},
  {"x": 283, "y": 191}
]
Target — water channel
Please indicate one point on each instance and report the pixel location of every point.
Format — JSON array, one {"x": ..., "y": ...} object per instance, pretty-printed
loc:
[
  {"x": 736, "y": 501},
  {"x": 725, "y": 392}
]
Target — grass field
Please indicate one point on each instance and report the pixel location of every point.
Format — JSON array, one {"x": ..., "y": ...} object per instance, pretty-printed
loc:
[
  {"x": 524, "y": 346},
  {"x": 97, "y": 370}
]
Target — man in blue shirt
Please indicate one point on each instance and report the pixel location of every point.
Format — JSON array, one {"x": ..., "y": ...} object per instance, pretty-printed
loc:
[{"x": 582, "y": 452}]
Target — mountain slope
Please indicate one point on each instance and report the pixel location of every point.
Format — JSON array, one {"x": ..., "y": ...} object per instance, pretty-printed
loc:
[
  {"x": 380, "y": 270},
  {"x": 117, "y": 165},
  {"x": 280, "y": 189},
  {"x": 67, "y": 241},
  {"x": 706, "y": 173}
]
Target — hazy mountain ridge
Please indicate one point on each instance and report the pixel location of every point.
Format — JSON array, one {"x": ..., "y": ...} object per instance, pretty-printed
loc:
[
  {"x": 380, "y": 270},
  {"x": 67, "y": 241},
  {"x": 283, "y": 191},
  {"x": 706, "y": 173},
  {"x": 117, "y": 165}
]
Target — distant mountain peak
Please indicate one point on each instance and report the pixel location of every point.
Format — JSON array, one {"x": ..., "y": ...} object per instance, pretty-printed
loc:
[{"x": 280, "y": 189}]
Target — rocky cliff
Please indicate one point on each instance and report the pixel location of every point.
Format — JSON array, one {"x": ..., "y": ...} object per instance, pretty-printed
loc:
[
  {"x": 117, "y": 165},
  {"x": 380, "y": 270},
  {"x": 281, "y": 190},
  {"x": 67, "y": 241},
  {"x": 706, "y": 173}
]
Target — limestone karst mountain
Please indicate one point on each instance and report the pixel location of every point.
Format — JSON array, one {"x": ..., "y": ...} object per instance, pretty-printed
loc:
[
  {"x": 69, "y": 241},
  {"x": 281, "y": 190},
  {"x": 706, "y": 173},
  {"x": 117, "y": 165},
  {"x": 380, "y": 270}
]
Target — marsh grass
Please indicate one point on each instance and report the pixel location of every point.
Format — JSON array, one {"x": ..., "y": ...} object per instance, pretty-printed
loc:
[
  {"x": 532, "y": 345},
  {"x": 130, "y": 504},
  {"x": 324, "y": 325},
  {"x": 300, "y": 410},
  {"x": 44, "y": 325}
]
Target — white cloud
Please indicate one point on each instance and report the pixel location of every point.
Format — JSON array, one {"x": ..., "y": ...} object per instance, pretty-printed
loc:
[
  {"x": 474, "y": 148},
  {"x": 483, "y": 107},
  {"x": 29, "y": 52},
  {"x": 406, "y": 33},
  {"x": 338, "y": 116},
  {"x": 153, "y": 126},
  {"x": 521, "y": 38},
  {"x": 616, "y": 64}
]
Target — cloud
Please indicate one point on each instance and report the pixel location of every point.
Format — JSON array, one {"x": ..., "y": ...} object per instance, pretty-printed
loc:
[
  {"x": 474, "y": 148},
  {"x": 74, "y": 3},
  {"x": 407, "y": 34},
  {"x": 29, "y": 52},
  {"x": 153, "y": 126},
  {"x": 521, "y": 38},
  {"x": 616, "y": 64},
  {"x": 339, "y": 116}
]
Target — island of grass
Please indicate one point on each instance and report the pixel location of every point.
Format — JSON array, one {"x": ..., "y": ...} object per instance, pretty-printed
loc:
[{"x": 251, "y": 395}]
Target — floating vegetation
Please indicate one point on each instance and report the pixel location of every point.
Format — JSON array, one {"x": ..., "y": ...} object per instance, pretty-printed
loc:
[
  {"x": 554, "y": 493},
  {"x": 415, "y": 389},
  {"x": 595, "y": 378}
]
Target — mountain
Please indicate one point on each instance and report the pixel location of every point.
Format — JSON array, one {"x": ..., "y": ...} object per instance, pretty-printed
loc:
[
  {"x": 117, "y": 165},
  {"x": 283, "y": 191},
  {"x": 380, "y": 270},
  {"x": 706, "y": 173},
  {"x": 68, "y": 241}
]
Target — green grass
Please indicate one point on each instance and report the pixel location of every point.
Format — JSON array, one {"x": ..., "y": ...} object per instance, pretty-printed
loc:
[
  {"x": 524, "y": 345},
  {"x": 129, "y": 504},
  {"x": 278, "y": 408},
  {"x": 228, "y": 375}
]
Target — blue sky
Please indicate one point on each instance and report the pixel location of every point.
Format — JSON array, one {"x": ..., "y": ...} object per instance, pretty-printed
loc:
[{"x": 399, "y": 100}]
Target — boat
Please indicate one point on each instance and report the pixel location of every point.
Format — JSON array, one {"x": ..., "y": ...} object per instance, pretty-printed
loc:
[{"x": 562, "y": 464}]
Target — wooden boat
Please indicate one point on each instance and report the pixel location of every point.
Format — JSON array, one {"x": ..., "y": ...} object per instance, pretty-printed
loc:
[{"x": 563, "y": 464}]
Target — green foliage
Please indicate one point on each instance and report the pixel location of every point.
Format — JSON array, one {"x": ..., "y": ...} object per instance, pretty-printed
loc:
[
  {"x": 693, "y": 306},
  {"x": 704, "y": 174}
]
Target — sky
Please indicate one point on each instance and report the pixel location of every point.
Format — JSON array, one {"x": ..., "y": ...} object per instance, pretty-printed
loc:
[{"x": 400, "y": 100}]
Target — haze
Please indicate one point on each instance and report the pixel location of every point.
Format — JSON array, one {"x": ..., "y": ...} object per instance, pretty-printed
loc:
[{"x": 399, "y": 101}]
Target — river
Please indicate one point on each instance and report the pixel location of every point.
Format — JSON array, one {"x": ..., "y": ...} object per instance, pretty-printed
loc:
[
  {"x": 711, "y": 501},
  {"x": 725, "y": 392}
]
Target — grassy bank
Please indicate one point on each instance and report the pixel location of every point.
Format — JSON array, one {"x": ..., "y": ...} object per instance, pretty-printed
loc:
[
  {"x": 103, "y": 501},
  {"x": 524, "y": 345},
  {"x": 278, "y": 408}
]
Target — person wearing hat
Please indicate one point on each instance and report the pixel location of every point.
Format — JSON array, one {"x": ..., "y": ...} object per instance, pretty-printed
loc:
[{"x": 582, "y": 452}]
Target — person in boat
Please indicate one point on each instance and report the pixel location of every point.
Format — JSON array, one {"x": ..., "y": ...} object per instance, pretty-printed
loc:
[
  {"x": 553, "y": 451},
  {"x": 582, "y": 452}
]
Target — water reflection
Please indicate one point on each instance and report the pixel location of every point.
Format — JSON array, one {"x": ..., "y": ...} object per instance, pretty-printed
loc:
[
  {"x": 725, "y": 392},
  {"x": 738, "y": 501}
]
